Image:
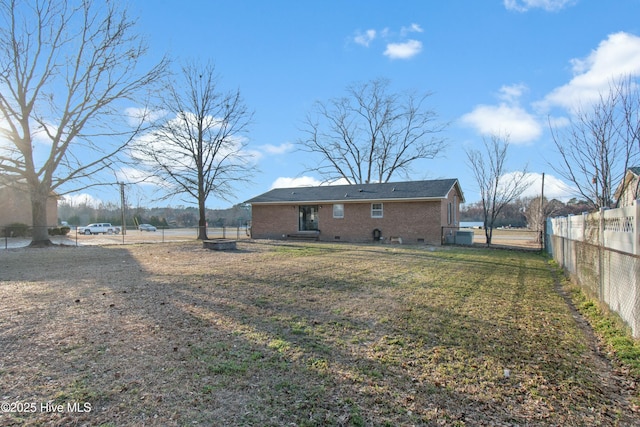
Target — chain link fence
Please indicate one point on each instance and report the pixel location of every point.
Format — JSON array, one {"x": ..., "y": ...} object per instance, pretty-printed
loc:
[
  {"x": 18, "y": 236},
  {"x": 609, "y": 275},
  {"x": 502, "y": 237},
  {"x": 596, "y": 250}
]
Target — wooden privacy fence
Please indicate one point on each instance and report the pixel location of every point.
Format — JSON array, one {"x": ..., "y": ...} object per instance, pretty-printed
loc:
[{"x": 601, "y": 252}]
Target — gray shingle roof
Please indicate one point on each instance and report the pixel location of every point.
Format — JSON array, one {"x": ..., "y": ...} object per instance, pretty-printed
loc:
[{"x": 412, "y": 190}]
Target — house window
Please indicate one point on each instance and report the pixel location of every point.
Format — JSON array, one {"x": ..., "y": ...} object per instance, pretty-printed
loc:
[
  {"x": 338, "y": 210},
  {"x": 376, "y": 210},
  {"x": 455, "y": 210},
  {"x": 449, "y": 213},
  {"x": 308, "y": 218}
]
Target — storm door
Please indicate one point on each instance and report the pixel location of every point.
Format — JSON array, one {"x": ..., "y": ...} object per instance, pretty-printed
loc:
[{"x": 308, "y": 219}]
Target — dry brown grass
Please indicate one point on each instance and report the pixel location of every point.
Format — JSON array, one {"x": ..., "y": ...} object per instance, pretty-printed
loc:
[{"x": 298, "y": 334}]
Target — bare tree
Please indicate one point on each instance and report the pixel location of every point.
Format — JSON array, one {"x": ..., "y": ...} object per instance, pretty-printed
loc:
[
  {"x": 370, "y": 134},
  {"x": 537, "y": 210},
  {"x": 497, "y": 187},
  {"x": 198, "y": 149},
  {"x": 64, "y": 68},
  {"x": 600, "y": 143}
]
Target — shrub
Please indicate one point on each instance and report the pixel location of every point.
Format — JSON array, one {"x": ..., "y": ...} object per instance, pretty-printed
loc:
[
  {"x": 17, "y": 229},
  {"x": 59, "y": 231}
]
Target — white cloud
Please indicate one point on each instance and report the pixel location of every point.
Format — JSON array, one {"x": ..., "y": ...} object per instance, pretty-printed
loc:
[
  {"x": 182, "y": 157},
  {"x": 548, "y": 5},
  {"x": 40, "y": 134},
  {"x": 518, "y": 124},
  {"x": 130, "y": 175},
  {"x": 405, "y": 50},
  {"x": 511, "y": 94},
  {"x": 616, "y": 57},
  {"x": 276, "y": 149},
  {"x": 82, "y": 199},
  {"x": 303, "y": 181},
  {"x": 137, "y": 115},
  {"x": 554, "y": 188},
  {"x": 178, "y": 158},
  {"x": 365, "y": 38},
  {"x": 507, "y": 118},
  {"x": 413, "y": 28},
  {"x": 397, "y": 45},
  {"x": 252, "y": 156}
]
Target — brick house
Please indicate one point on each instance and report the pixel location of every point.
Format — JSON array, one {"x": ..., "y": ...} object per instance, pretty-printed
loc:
[
  {"x": 15, "y": 207},
  {"x": 402, "y": 212}
]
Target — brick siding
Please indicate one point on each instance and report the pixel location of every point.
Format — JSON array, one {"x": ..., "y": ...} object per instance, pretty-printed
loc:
[
  {"x": 15, "y": 206},
  {"x": 411, "y": 221},
  {"x": 273, "y": 221}
]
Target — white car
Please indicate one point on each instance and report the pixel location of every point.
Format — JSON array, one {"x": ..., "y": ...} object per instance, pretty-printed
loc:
[
  {"x": 99, "y": 228},
  {"x": 146, "y": 227}
]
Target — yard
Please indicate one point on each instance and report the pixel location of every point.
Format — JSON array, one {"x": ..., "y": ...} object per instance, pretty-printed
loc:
[{"x": 302, "y": 334}]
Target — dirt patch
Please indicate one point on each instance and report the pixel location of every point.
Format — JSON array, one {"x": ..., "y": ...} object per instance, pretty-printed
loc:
[{"x": 296, "y": 334}]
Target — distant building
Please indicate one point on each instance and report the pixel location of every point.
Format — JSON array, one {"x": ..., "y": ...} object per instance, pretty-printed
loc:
[
  {"x": 15, "y": 207},
  {"x": 400, "y": 212}
]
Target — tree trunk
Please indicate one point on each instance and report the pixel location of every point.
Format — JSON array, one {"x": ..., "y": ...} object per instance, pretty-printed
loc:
[
  {"x": 488, "y": 235},
  {"x": 488, "y": 231},
  {"x": 40, "y": 236},
  {"x": 202, "y": 221}
]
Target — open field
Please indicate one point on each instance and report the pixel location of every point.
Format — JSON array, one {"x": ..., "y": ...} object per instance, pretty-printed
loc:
[
  {"x": 297, "y": 334},
  {"x": 513, "y": 237}
]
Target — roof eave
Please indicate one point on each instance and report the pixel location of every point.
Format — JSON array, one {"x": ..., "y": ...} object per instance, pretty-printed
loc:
[
  {"x": 456, "y": 184},
  {"x": 347, "y": 200}
]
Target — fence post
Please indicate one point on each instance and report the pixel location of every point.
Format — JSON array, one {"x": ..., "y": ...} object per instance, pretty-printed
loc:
[
  {"x": 636, "y": 227},
  {"x": 548, "y": 244},
  {"x": 601, "y": 226},
  {"x": 601, "y": 256}
]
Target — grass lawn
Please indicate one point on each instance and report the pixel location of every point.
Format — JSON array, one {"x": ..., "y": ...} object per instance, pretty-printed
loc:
[{"x": 297, "y": 334}]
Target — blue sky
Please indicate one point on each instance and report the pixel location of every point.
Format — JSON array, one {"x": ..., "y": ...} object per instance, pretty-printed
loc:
[{"x": 492, "y": 65}]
